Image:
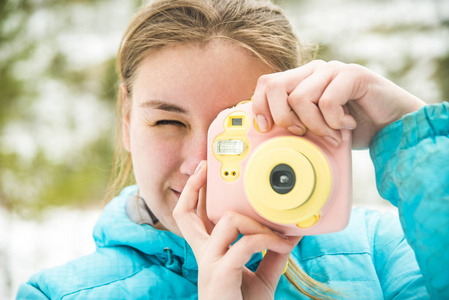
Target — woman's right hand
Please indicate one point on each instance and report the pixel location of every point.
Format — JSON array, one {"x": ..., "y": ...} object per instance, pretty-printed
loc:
[{"x": 221, "y": 262}]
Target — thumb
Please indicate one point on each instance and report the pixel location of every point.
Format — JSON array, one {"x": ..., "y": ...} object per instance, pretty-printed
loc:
[{"x": 274, "y": 264}]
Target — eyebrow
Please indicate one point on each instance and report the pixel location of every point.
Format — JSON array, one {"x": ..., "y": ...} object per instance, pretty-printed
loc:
[{"x": 156, "y": 104}]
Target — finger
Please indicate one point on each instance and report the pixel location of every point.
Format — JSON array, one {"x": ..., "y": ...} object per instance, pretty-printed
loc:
[
  {"x": 312, "y": 118},
  {"x": 202, "y": 211},
  {"x": 273, "y": 264},
  {"x": 304, "y": 100},
  {"x": 295, "y": 76},
  {"x": 289, "y": 79},
  {"x": 271, "y": 267},
  {"x": 228, "y": 228},
  {"x": 189, "y": 223},
  {"x": 335, "y": 97},
  {"x": 260, "y": 104},
  {"x": 241, "y": 252},
  {"x": 281, "y": 112}
]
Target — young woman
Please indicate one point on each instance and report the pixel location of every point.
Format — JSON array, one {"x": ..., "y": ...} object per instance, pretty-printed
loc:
[{"x": 180, "y": 64}]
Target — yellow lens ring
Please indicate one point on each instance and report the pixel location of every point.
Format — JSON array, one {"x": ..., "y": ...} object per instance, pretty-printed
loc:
[
  {"x": 260, "y": 170},
  {"x": 271, "y": 205}
]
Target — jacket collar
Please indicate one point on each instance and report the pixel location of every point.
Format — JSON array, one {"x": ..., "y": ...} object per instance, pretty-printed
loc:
[{"x": 115, "y": 228}]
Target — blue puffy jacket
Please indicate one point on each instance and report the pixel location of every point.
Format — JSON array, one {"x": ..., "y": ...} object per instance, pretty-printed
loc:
[
  {"x": 370, "y": 259},
  {"x": 411, "y": 158}
]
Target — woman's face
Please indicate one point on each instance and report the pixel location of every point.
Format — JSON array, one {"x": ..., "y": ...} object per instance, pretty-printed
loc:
[{"x": 177, "y": 93}]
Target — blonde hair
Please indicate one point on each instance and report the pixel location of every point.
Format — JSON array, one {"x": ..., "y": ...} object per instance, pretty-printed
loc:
[{"x": 258, "y": 26}]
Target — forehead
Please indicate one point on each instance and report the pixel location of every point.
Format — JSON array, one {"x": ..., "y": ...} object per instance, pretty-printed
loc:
[{"x": 184, "y": 72}]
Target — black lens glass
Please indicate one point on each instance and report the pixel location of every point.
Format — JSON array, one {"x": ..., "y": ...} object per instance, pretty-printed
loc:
[{"x": 282, "y": 179}]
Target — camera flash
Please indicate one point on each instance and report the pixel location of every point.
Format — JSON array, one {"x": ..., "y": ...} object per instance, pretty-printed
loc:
[{"x": 229, "y": 147}]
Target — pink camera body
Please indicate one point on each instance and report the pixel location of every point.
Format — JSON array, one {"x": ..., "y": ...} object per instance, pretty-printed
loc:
[{"x": 296, "y": 185}]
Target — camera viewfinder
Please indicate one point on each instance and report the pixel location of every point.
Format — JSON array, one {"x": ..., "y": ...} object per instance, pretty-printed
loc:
[{"x": 237, "y": 121}]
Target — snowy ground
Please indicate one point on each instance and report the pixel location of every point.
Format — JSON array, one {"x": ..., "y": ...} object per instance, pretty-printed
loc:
[{"x": 27, "y": 246}]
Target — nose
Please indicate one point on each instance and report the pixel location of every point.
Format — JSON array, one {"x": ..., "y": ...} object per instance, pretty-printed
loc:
[{"x": 194, "y": 151}]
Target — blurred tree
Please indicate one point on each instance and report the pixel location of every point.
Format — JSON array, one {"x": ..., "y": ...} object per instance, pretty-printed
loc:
[
  {"x": 442, "y": 70},
  {"x": 47, "y": 75},
  {"x": 11, "y": 88},
  {"x": 32, "y": 57},
  {"x": 442, "y": 76}
]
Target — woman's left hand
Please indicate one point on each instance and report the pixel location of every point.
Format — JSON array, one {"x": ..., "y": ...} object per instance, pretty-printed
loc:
[{"x": 324, "y": 97}]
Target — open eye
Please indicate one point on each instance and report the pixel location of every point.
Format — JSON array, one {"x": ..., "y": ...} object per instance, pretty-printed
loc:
[{"x": 170, "y": 122}]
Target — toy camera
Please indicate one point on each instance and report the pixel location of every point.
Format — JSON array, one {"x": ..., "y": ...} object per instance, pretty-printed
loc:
[{"x": 296, "y": 185}]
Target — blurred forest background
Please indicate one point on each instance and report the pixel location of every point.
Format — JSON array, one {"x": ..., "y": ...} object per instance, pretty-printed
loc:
[
  {"x": 57, "y": 94},
  {"x": 58, "y": 89},
  {"x": 58, "y": 81}
]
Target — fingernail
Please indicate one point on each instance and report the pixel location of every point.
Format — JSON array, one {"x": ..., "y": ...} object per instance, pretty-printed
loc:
[
  {"x": 349, "y": 123},
  {"x": 198, "y": 168},
  {"x": 332, "y": 141},
  {"x": 262, "y": 123},
  {"x": 295, "y": 129}
]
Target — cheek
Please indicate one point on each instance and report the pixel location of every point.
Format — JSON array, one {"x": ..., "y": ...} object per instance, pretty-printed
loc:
[{"x": 154, "y": 157}]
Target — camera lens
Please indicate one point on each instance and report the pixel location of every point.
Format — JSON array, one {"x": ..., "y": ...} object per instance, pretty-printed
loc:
[{"x": 282, "y": 179}]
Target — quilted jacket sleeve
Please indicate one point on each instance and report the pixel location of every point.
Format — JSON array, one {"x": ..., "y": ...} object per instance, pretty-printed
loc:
[
  {"x": 411, "y": 159},
  {"x": 112, "y": 273},
  {"x": 28, "y": 291}
]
